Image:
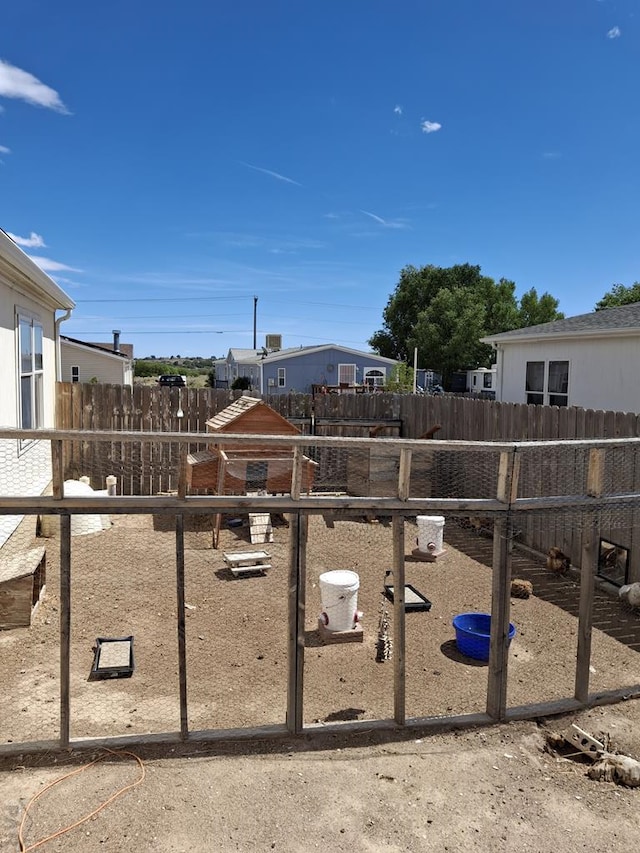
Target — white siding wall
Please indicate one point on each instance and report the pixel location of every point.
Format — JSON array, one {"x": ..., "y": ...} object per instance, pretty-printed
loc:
[
  {"x": 93, "y": 363},
  {"x": 10, "y": 302},
  {"x": 603, "y": 372}
]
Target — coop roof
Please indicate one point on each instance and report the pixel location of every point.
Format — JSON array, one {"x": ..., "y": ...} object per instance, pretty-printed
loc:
[{"x": 250, "y": 414}]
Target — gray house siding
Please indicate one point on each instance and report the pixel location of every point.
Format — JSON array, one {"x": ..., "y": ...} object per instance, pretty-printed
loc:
[{"x": 317, "y": 367}]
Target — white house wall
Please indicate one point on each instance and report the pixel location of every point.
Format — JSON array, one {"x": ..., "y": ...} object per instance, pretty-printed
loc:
[
  {"x": 10, "y": 303},
  {"x": 603, "y": 372},
  {"x": 92, "y": 364}
]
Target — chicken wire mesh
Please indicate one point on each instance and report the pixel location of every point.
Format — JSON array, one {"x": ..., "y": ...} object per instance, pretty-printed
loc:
[{"x": 124, "y": 565}]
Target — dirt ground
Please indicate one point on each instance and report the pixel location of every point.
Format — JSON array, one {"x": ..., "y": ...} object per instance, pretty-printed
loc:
[
  {"x": 493, "y": 790},
  {"x": 486, "y": 790}
]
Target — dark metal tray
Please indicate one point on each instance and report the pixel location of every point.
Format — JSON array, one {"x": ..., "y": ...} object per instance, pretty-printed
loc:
[
  {"x": 112, "y": 658},
  {"x": 413, "y": 599}
]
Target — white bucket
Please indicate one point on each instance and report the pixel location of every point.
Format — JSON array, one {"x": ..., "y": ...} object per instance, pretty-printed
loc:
[
  {"x": 430, "y": 533},
  {"x": 339, "y": 593},
  {"x": 82, "y": 524}
]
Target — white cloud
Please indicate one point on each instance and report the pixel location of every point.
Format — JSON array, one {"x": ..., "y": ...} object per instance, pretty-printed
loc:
[
  {"x": 551, "y": 155},
  {"x": 48, "y": 265},
  {"x": 4, "y": 150},
  {"x": 614, "y": 33},
  {"x": 397, "y": 110},
  {"x": 430, "y": 126},
  {"x": 276, "y": 175},
  {"x": 386, "y": 223},
  {"x": 33, "y": 241},
  {"x": 16, "y": 83}
]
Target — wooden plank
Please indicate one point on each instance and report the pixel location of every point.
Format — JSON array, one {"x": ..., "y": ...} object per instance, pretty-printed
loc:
[
  {"x": 296, "y": 622},
  {"x": 181, "y": 625},
  {"x": 500, "y": 592},
  {"x": 399, "y": 638},
  {"x": 595, "y": 472},
  {"x": 65, "y": 629},
  {"x": 588, "y": 569},
  {"x": 404, "y": 475}
]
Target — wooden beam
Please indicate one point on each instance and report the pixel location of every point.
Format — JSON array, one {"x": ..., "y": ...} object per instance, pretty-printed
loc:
[
  {"x": 404, "y": 474},
  {"x": 57, "y": 469},
  {"x": 182, "y": 640},
  {"x": 296, "y": 621},
  {"x": 588, "y": 570},
  {"x": 65, "y": 629},
  {"x": 399, "y": 640},
  {"x": 296, "y": 473},
  {"x": 595, "y": 472},
  {"x": 501, "y": 590}
]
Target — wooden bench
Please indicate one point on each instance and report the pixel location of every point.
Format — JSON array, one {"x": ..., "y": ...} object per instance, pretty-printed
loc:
[{"x": 247, "y": 562}]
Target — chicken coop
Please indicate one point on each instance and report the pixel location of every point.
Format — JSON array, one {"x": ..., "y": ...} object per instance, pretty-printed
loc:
[{"x": 240, "y": 469}]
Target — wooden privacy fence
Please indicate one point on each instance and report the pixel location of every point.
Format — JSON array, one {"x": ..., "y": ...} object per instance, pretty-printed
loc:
[
  {"x": 153, "y": 468},
  {"x": 146, "y": 409},
  {"x": 505, "y": 470}
]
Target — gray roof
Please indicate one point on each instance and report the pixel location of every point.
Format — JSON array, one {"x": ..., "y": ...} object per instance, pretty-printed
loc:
[{"x": 607, "y": 320}]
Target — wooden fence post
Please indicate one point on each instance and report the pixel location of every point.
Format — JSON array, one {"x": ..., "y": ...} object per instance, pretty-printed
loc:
[
  {"x": 588, "y": 568},
  {"x": 182, "y": 640},
  {"x": 65, "y": 628},
  {"x": 297, "y": 600},
  {"x": 501, "y": 588}
]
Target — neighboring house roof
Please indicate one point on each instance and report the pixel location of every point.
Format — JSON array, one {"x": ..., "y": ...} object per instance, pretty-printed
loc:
[
  {"x": 125, "y": 349},
  {"x": 611, "y": 321},
  {"x": 101, "y": 347},
  {"x": 281, "y": 355},
  {"x": 245, "y": 354},
  {"x": 28, "y": 274}
]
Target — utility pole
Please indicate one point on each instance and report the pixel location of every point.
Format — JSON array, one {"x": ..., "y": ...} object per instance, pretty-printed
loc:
[{"x": 255, "y": 314}]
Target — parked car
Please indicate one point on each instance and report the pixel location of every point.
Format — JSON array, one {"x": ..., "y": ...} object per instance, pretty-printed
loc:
[{"x": 172, "y": 380}]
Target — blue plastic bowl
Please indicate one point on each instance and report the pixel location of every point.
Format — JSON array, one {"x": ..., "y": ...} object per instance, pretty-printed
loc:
[{"x": 473, "y": 632}]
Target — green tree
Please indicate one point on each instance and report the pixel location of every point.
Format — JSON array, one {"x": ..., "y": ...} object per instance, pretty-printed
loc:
[
  {"x": 535, "y": 310},
  {"x": 400, "y": 379},
  {"x": 241, "y": 383},
  {"x": 449, "y": 330},
  {"x": 619, "y": 295},
  {"x": 444, "y": 311}
]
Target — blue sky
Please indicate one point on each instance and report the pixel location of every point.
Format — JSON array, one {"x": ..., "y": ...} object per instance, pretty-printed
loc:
[{"x": 168, "y": 162}]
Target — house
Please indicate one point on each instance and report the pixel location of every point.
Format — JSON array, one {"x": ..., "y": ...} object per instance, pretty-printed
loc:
[
  {"x": 303, "y": 369},
  {"x": 81, "y": 361},
  {"x": 482, "y": 382},
  {"x": 590, "y": 361},
  {"x": 29, "y": 341}
]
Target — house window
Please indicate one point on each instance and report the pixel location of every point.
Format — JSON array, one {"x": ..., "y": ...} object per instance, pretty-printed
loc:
[
  {"x": 486, "y": 381},
  {"x": 548, "y": 382},
  {"x": 282, "y": 377},
  {"x": 75, "y": 373},
  {"x": 346, "y": 374},
  {"x": 31, "y": 373},
  {"x": 374, "y": 377}
]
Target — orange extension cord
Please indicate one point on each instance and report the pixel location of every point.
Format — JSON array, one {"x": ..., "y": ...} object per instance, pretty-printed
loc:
[{"x": 108, "y": 752}]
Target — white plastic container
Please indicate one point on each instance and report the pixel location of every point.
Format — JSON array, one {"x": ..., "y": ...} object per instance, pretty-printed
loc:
[
  {"x": 339, "y": 594},
  {"x": 82, "y": 524},
  {"x": 430, "y": 533}
]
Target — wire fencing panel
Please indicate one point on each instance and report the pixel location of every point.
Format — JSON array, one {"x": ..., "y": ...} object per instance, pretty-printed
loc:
[{"x": 125, "y": 579}]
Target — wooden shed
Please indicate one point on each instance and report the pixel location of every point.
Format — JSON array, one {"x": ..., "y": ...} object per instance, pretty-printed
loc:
[
  {"x": 236, "y": 469},
  {"x": 22, "y": 581}
]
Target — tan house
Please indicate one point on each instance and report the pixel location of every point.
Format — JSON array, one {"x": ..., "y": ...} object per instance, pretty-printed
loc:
[{"x": 81, "y": 361}]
